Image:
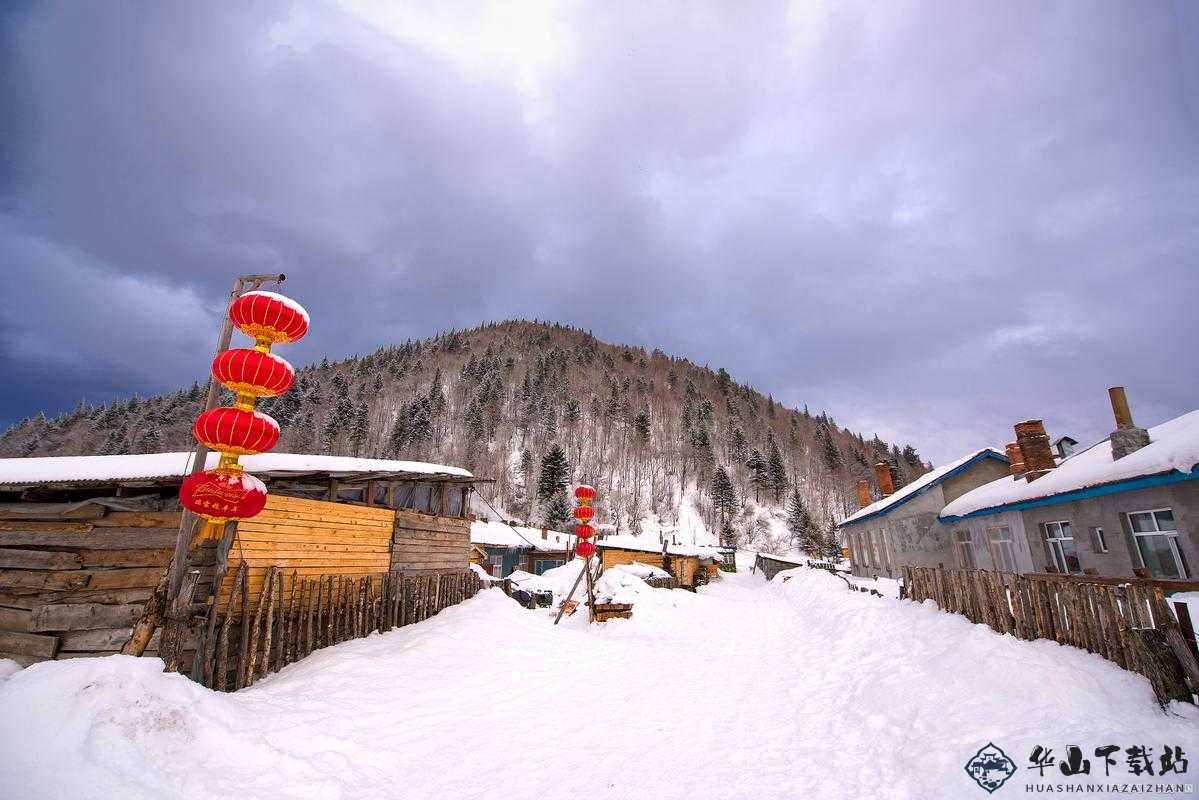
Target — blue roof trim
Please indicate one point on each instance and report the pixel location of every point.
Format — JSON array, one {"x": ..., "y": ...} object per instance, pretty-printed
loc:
[
  {"x": 955, "y": 471},
  {"x": 1130, "y": 485}
]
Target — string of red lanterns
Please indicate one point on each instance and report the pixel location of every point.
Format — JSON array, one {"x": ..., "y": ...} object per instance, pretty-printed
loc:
[
  {"x": 226, "y": 492},
  {"x": 584, "y": 513}
]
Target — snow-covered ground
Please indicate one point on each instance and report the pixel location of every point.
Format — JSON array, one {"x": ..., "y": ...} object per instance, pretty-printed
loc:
[{"x": 747, "y": 689}]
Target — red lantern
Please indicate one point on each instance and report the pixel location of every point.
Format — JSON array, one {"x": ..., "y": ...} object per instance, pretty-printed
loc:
[
  {"x": 584, "y": 531},
  {"x": 584, "y": 513},
  {"x": 269, "y": 316},
  {"x": 253, "y": 372},
  {"x": 585, "y": 549},
  {"x": 236, "y": 431},
  {"x": 584, "y": 494},
  {"x": 223, "y": 494}
]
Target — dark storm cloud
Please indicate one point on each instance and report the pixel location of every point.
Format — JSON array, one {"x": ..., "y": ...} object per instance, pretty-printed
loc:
[{"x": 932, "y": 220}]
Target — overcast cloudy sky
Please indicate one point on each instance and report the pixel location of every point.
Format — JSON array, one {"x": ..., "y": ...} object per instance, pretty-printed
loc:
[{"x": 931, "y": 219}]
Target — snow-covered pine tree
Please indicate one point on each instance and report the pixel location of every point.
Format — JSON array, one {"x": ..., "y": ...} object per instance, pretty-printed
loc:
[
  {"x": 555, "y": 474},
  {"x": 776, "y": 468},
  {"x": 803, "y": 532},
  {"x": 758, "y": 474}
]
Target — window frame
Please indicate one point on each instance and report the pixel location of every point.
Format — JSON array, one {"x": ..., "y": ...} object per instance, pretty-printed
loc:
[
  {"x": 965, "y": 555},
  {"x": 1171, "y": 537},
  {"x": 1057, "y": 548},
  {"x": 1006, "y": 545},
  {"x": 1099, "y": 539}
]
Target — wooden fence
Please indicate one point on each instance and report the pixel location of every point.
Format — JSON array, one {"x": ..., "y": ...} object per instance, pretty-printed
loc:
[
  {"x": 1126, "y": 622},
  {"x": 262, "y": 634}
]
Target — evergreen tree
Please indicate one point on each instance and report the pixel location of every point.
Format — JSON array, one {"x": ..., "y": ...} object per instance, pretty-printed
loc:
[
  {"x": 724, "y": 496},
  {"x": 359, "y": 431},
  {"x": 758, "y": 474},
  {"x": 555, "y": 474},
  {"x": 803, "y": 532},
  {"x": 641, "y": 427},
  {"x": 776, "y": 468},
  {"x": 557, "y": 516}
]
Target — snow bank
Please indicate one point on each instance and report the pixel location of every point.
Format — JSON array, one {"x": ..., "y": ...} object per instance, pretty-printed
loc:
[
  {"x": 643, "y": 571},
  {"x": 1173, "y": 447},
  {"x": 748, "y": 690},
  {"x": 8, "y": 668}
]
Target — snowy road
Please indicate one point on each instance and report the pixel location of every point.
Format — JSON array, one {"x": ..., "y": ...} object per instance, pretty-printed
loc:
[{"x": 746, "y": 690}]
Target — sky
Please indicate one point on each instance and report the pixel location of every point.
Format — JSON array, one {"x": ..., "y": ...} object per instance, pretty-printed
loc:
[{"x": 932, "y": 220}]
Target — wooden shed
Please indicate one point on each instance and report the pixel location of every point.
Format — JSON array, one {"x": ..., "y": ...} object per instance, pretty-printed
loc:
[
  {"x": 691, "y": 565},
  {"x": 85, "y": 540}
]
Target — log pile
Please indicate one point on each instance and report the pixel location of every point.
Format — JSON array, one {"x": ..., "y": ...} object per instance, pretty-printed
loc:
[
  {"x": 287, "y": 616},
  {"x": 1126, "y": 621}
]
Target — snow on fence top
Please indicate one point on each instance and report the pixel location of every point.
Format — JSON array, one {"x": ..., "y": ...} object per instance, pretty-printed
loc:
[
  {"x": 921, "y": 484},
  {"x": 170, "y": 466},
  {"x": 498, "y": 534},
  {"x": 648, "y": 546},
  {"x": 1171, "y": 455}
]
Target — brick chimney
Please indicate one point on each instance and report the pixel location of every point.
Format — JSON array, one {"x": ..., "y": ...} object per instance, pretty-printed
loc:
[
  {"x": 545, "y": 534},
  {"x": 863, "y": 493},
  {"x": 1034, "y": 447},
  {"x": 886, "y": 482},
  {"x": 1127, "y": 437},
  {"x": 1016, "y": 457}
]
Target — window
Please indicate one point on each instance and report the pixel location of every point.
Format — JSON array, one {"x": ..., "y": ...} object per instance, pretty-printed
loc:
[
  {"x": 1098, "y": 540},
  {"x": 351, "y": 494},
  {"x": 886, "y": 547},
  {"x": 405, "y": 495},
  {"x": 457, "y": 502},
  {"x": 428, "y": 498},
  {"x": 1003, "y": 552},
  {"x": 381, "y": 495},
  {"x": 1157, "y": 543},
  {"x": 1059, "y": 538},
  {"x": 871, "y": 555},
  {"x": 859, "y": 541},
  {"x": 542, "y": 564},
  {"x": 964, "y": 544},
  {"x": 496, "y": 562}
]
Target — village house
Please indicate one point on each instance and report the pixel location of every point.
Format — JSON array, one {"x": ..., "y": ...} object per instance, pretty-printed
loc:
[
  {"x": 902, "y": 528},
  {"x": 691, "y": 565},
  {"x": 85, "y": 540},
  {"x": 510, "y": 547},
  {"x": 1126, "y": 506}
]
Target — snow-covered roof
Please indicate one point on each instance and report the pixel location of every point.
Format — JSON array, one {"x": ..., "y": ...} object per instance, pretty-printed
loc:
[
  {"x": 799, "y": 561},
  {"x": 650, "y": 546},
  {"x": 921, "y": 484},
  {"x": 170, "y": 466},
  {"x": 1172, "y": 454},
  {"x": 499, "y": 534}
]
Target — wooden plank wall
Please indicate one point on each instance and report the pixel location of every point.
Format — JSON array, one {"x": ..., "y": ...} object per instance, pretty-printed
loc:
[
  {"x": 307, "y": 538},
  {"x": 73, "y": 587},
  {"x": 611, "y": 558},
  {"x": 424, "y": 544}
]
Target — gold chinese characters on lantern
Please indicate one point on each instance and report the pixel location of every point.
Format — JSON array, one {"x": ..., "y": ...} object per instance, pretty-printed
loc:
[{"x": 226, "y": 492}]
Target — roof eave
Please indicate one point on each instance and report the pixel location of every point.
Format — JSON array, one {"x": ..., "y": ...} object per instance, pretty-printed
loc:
[{"x": 1098, "y": 490}]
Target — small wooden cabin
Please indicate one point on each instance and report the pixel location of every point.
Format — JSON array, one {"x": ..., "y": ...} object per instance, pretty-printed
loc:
[
  {"x": 691, "y": 565},
  {"x": 510, "y": 547},
  {"x": 85, "y": 540}
]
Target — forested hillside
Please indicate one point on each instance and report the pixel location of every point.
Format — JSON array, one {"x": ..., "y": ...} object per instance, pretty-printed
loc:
[{"x": 534, "y": 406}]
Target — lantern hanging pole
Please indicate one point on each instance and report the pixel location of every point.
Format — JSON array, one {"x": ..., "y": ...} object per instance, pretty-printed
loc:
[{"x": 243, "y": 284}]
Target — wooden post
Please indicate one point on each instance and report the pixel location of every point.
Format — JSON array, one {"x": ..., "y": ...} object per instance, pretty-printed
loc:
[{"x": 222, "y": 665}]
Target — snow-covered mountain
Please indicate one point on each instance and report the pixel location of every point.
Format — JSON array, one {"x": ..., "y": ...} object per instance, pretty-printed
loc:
[{"x": 656, "y": 435}]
